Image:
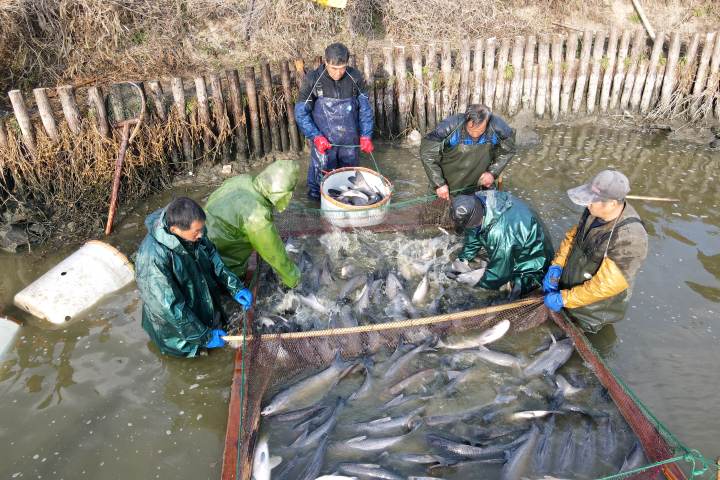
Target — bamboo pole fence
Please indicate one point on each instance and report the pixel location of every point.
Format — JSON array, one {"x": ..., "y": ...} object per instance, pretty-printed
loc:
[{"x": 410, "y": 87}]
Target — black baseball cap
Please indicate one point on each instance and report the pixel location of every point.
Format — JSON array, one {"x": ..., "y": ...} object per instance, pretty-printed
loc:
[
  {"x": 606, "y": 185},
  {"x": 467, "y": 211}
]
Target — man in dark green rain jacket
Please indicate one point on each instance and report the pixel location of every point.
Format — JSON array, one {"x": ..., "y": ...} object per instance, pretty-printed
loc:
[
  {"x": 517, "y": 245},
  {"x": 180, "y": 276},
  {"x": 240, "y": 219},
  {"x": 467, "y": 151}
]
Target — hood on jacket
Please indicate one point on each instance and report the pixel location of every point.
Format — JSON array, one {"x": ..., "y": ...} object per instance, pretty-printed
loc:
[
  {"x": 496, "y": 202},
  {"x": 155, "y": 223},
  {"x": 277, "y": 182}
]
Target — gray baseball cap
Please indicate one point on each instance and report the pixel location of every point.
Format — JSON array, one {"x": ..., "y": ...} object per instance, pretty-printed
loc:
[
  {"x": 467, "y": 211},
  {"x": 606, "y": 185}
]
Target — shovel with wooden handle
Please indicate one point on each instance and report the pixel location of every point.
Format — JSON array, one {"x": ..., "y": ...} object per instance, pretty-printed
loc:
[{"x": 127, "y": 138}]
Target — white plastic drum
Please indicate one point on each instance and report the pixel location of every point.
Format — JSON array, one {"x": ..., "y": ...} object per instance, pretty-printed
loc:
[
  {"x": 8, "y": 331},
  {"x": 77, "y": 283},
  {"x": 343, "y": 215}
]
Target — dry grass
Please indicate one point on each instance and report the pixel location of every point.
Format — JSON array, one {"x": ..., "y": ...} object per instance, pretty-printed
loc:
[{"x": 69, "y": 180}]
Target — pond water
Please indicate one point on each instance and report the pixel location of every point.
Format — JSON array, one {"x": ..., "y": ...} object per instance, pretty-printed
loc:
[{"x": 95, "y": 400}]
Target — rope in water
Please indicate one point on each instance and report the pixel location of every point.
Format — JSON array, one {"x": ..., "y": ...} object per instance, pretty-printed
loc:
[{"x": 389, "y": 325}]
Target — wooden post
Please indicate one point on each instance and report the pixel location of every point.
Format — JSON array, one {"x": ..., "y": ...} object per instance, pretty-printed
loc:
[
  {"x": 638, "y": 47},
  {"x": 528, "y": 98},
  {"x": 533, "y": 86},
  {"x": 583, "y": 67},
  {"x": 269, "y": 95},
  {"x": 421, "y": 120},
  {"x": 290, "y": 106},
  {"x": 517, "y": 80},
  {"x": 431, "y": 62},
  {"x": 570, "y": 72},
  {"x": 670, "y": 81},
  {"x": 658, "y": 85},
  {"x": 178, "y": 91},
  {"x": 222, "y": 123},
  {"x": 401, "y": 75},
  {"x": 237, "y": 114},
  {"x": 619, "y": 70},
  {"x": 446, "y": 68},
  {"x": 389, "y": 97},
  {"x": 46, "y": 115},
  {"x": 713, "y": 77},
  {"x": 264, "y": 108},
  {"x": 637, "y": 89},
  {"x": 23, "y": 119},
  {"x": 156, "y": 93},
  {"x": 116, "y": 103},
  {"x": 609, "y": 58},
  {"x": 380, "y": 98},
  {"x": 543, "y": 58},
  {"x": 501, "y": 73},
  {"x": 477, "y": 72},
  {"x": 299, "y": 72},
  {"x": 251, "y": 92},
  {"x": 369, "y": 75},
  {"x": 701, "y": 75},
  {"x": 594, "y": 80},
  {"x": 203, "y": 111},
  {"x": 556, "y": 56},
  {"x": 687, "y": 72},
  {"x": 96, "y": 103},
  {"x": 464, "y": 76},
  {"x": 652, "y": 72},
  {"x": 69, "y": 107},
  {"x": 489, "y": 72},
  {"x": 3, "y": 134}
]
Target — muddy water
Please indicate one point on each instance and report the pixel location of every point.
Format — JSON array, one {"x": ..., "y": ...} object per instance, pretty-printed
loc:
[{"x": 95, "y": 400}]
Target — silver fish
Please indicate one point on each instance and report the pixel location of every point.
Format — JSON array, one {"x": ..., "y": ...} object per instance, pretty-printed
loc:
[
  {"x": 261, "y": 460},
  {"x": 565, "y": 387},
  {"x": 310, "y": 390},
  {"x": 419, "y": 458},
  {"x": 519, "y": 463},
  {"x": 387, "y": 425},
  {"x": 309, "y": 438},
  {"x": 368, "y": 470},
  {"x": 551, "y": 359},
  {"x": 472, "y": 277},
  {"x": 532, "y": 414},
  {"x": 396, "y": 368},
  {"x": 352, "y": 285},
  {"x": 392, "y": 286},
  {"x": 367, "y": 444},
  {"x": 312, "y": 469},
  {"x": 311, "y": 301},
  {"x": 488, "y": 336},
  {"x": 491, "y": 356},
  {"x": 363, "y": 299},
  {"x": 414, "y": 381},
  {"x": 421, "y": 291},
  {"x": 634, "y": 459}
]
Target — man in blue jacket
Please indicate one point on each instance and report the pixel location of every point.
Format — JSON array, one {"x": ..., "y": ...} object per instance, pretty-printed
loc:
[{"x": 333, "y": 110}]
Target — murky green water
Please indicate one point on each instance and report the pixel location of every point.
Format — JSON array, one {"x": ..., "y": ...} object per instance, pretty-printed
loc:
[{"x": 95, "y": 400}]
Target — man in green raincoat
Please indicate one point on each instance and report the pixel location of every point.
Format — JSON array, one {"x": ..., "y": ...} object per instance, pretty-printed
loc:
[
  {"x": 240, "y": 219},
  {"x": 467, "y": 152},
  {"x": 180, "y": 276},
  {"x": 517, "y": 246}
]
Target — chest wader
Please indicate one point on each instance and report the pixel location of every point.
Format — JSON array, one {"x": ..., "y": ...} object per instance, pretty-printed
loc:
[
  {"x": 588, "y": 251},
  {"x": 339, "y": 121},
  {"x": 462, "y": 166}
]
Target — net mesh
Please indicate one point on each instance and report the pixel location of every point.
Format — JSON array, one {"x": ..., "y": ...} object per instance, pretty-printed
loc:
[{"x": 265, "y": 362}]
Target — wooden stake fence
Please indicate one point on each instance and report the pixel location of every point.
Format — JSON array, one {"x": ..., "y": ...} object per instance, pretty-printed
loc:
[{"x": 410, "y": 86}]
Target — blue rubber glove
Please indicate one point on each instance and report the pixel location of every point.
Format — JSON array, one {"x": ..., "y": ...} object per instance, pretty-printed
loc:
[
  {"x": 554, "y": 301},
  {"x": 216, "y": 340},
  {"x": 551, "y": 281},
  {"x": 244, "y": 297}
]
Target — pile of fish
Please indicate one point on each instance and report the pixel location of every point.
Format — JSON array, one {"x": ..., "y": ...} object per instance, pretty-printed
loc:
[
  {"x": 359, "y": 192},
  {"x": 450, "y": 408},
  {"x": 351, "y": 279}
]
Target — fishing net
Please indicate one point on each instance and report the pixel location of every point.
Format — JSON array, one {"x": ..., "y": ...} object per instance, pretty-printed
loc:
[{"x": 264, "y": 362}]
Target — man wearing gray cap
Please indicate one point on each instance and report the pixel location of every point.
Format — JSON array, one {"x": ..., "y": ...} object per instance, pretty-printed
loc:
[
  {"x": 517, "y": 245},
  {"x": 594, "y": 269}
]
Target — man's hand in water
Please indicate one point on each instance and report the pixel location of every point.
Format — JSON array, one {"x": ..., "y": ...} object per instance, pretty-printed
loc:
[
  {"x": 487, "y": 179},
  {"x": 443, "y": 192}
]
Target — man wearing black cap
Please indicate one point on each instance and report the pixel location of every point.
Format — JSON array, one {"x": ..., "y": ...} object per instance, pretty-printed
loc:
[
  {"x": 467, "y": 151},
  {"x": 594, "y": 269},
  {"x": 518, "y": 248}
]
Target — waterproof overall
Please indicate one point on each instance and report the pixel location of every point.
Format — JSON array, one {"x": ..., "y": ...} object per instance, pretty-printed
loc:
[
  {"x": 338, "y": 120},
  {"x": 583, "y": 262},
  {"x": 463, "y": 165}
]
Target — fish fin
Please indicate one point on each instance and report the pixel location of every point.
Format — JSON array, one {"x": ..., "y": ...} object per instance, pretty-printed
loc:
[
  {"x": 298, "y": 441},
  {"x": 275, "y": 460}
]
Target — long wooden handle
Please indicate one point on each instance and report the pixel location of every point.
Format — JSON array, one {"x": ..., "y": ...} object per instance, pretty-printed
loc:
[{"x": 652, "y": 199}]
